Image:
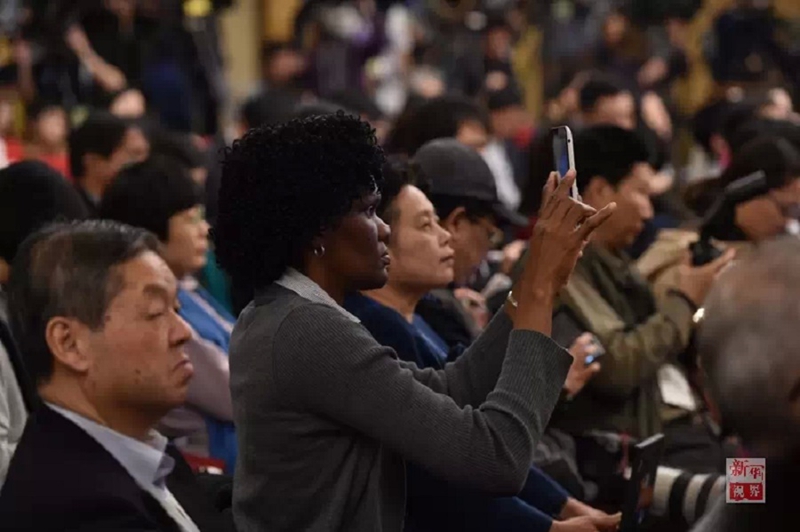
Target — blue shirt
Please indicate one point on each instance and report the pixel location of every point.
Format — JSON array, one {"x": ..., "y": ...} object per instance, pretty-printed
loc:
[
  {"x": 214, "y": 324},
  {"x": 416, "y": 342}
]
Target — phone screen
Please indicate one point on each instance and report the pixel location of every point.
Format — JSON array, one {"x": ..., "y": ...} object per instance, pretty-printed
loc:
[{"x": 560, "y": 154}]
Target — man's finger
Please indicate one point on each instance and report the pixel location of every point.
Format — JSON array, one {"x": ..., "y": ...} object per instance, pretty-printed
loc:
[
  {"x": 596, "y": 220},
  {"x": 595, "y": 367}
]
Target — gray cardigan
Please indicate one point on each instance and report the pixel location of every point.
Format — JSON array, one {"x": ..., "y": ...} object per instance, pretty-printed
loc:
[{"x": 326, "y": 416}]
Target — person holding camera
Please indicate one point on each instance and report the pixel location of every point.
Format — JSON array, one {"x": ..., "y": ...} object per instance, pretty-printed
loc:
[{"x": 757, "y": 219}]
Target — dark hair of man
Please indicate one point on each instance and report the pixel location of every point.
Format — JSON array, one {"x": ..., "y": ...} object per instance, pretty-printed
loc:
[
  {"x": 707, "y": 122},
  {"x": 177, "y": 146},
  {"x": 767, "y": 151},
  {"x": 775, "y": 156},
  {"x": 272, "y": 107},
  {"x": 284, "y": 185},
  {"x": 433, "y": 119},
  {"x": 735, "y": 116},
  {"x": 39, "y": 106},
  {"x": 148, "y": 194},
  {"x": 762, "y": 127},
  {"x": 609, "y": 152},
  {"x": 357, "y": 101},
  {"x": 596, "y": 87},
  {"x": 101, "y": 134},
  {"x": 399, "y": 173},
  {"x": 32, "y": 195},
  {"x": 319, "y": 107},
  {"x": 67, "y": 270}
]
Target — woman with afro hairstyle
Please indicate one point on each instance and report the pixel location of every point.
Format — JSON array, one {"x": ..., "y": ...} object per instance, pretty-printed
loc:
[{"x": 325, "y": 415}]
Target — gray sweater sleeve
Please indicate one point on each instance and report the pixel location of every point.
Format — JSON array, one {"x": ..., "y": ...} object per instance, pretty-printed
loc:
[
  {"x": 327, "y": 364},
  {"x": 476, "y": 371}
]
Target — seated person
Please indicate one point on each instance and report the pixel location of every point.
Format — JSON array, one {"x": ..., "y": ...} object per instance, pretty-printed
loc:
[
  {"x": 160, "y": 196},
  {"x": 448, "y": 116},
  {"x": 639, "y": 391},
  {"x": 31, "y": 195},
  {"x": 422, "y": 259},
  {"x": 761, "y": 218},
  {"x": 184, "y": 149},
  {"x": 48, "y": 127},
  {"x": 748, "y": 348},
  {"x": 98, "y": 149},
  {"x": 94, "y": 310},
  {"x": 464, "y": 194}
]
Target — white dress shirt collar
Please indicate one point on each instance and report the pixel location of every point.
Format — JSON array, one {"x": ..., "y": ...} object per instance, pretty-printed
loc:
[{"x": 147, "y": 463}]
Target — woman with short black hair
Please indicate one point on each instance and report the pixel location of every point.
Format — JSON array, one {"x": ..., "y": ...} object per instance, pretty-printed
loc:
[{"x": 159, "y": 195}]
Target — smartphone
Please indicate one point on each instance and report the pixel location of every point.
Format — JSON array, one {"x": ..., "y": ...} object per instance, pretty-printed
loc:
[
  {"x": 597, "y": 351},
  {"x": 564, "y": 154}
]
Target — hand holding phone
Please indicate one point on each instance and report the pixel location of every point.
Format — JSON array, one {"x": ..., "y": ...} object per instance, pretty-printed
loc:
[
  {"x": 584, "y": 351},
  {"x": 564, "y": 154}
]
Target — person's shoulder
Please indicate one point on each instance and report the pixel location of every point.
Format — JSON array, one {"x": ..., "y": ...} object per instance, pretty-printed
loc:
[
  {"x": 669, "y": 249},
  {"x": 62, "y": 473},
  {"x": 370, "y": 312},
  {"x": 312, "y": 323},
  {"x": 279, "y": 321}
]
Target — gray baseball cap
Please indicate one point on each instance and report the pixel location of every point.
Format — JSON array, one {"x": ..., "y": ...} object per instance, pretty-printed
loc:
[{"x": 455, "y": 169}]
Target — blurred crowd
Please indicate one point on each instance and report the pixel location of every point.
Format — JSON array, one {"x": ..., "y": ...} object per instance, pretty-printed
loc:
[{"x": 118, "y": 125}]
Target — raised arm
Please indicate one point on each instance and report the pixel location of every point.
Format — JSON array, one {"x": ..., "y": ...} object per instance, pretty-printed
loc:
[
  {"x": 563, "y": 228},
  {"x": 342, "y": 372}
]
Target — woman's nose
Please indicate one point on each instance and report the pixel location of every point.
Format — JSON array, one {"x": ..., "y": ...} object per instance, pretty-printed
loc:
[
  {"x": 384, "y": 231},
  {"x": 445, "y": 237}
]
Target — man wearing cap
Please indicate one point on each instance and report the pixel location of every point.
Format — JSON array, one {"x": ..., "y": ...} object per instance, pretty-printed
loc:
[{"x": 464, "y": 193}]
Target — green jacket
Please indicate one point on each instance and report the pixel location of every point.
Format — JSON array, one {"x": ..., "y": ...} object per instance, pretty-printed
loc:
[{"x": 607, "y": 297}]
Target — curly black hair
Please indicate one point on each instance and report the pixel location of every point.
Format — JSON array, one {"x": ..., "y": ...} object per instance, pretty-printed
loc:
[{"x": 283, "y": 185}]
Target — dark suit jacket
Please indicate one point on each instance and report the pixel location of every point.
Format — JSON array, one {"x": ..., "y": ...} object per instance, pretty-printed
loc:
[{"x": 61, "y": 479}]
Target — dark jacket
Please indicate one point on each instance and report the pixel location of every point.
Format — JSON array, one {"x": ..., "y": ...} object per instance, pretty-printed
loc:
[
  {"x": 62, "y": 479},
  {"x": 607, "y": 297},
  {"x": 448, "y": 317}
]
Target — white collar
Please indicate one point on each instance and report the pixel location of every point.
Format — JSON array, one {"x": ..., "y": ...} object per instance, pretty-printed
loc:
[
  {"x": 147, "y": 463},
  {"x": 307, "y": 289}
]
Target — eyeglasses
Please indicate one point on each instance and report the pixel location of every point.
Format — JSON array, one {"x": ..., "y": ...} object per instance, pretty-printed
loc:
[{"x": 789, "y": 209}]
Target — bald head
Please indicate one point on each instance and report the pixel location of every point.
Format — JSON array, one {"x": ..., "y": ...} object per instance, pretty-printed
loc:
[{"x": 748, "y": 346}]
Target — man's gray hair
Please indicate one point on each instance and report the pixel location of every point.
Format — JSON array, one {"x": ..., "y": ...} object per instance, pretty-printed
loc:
[{"x": 748, "y": 342}]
